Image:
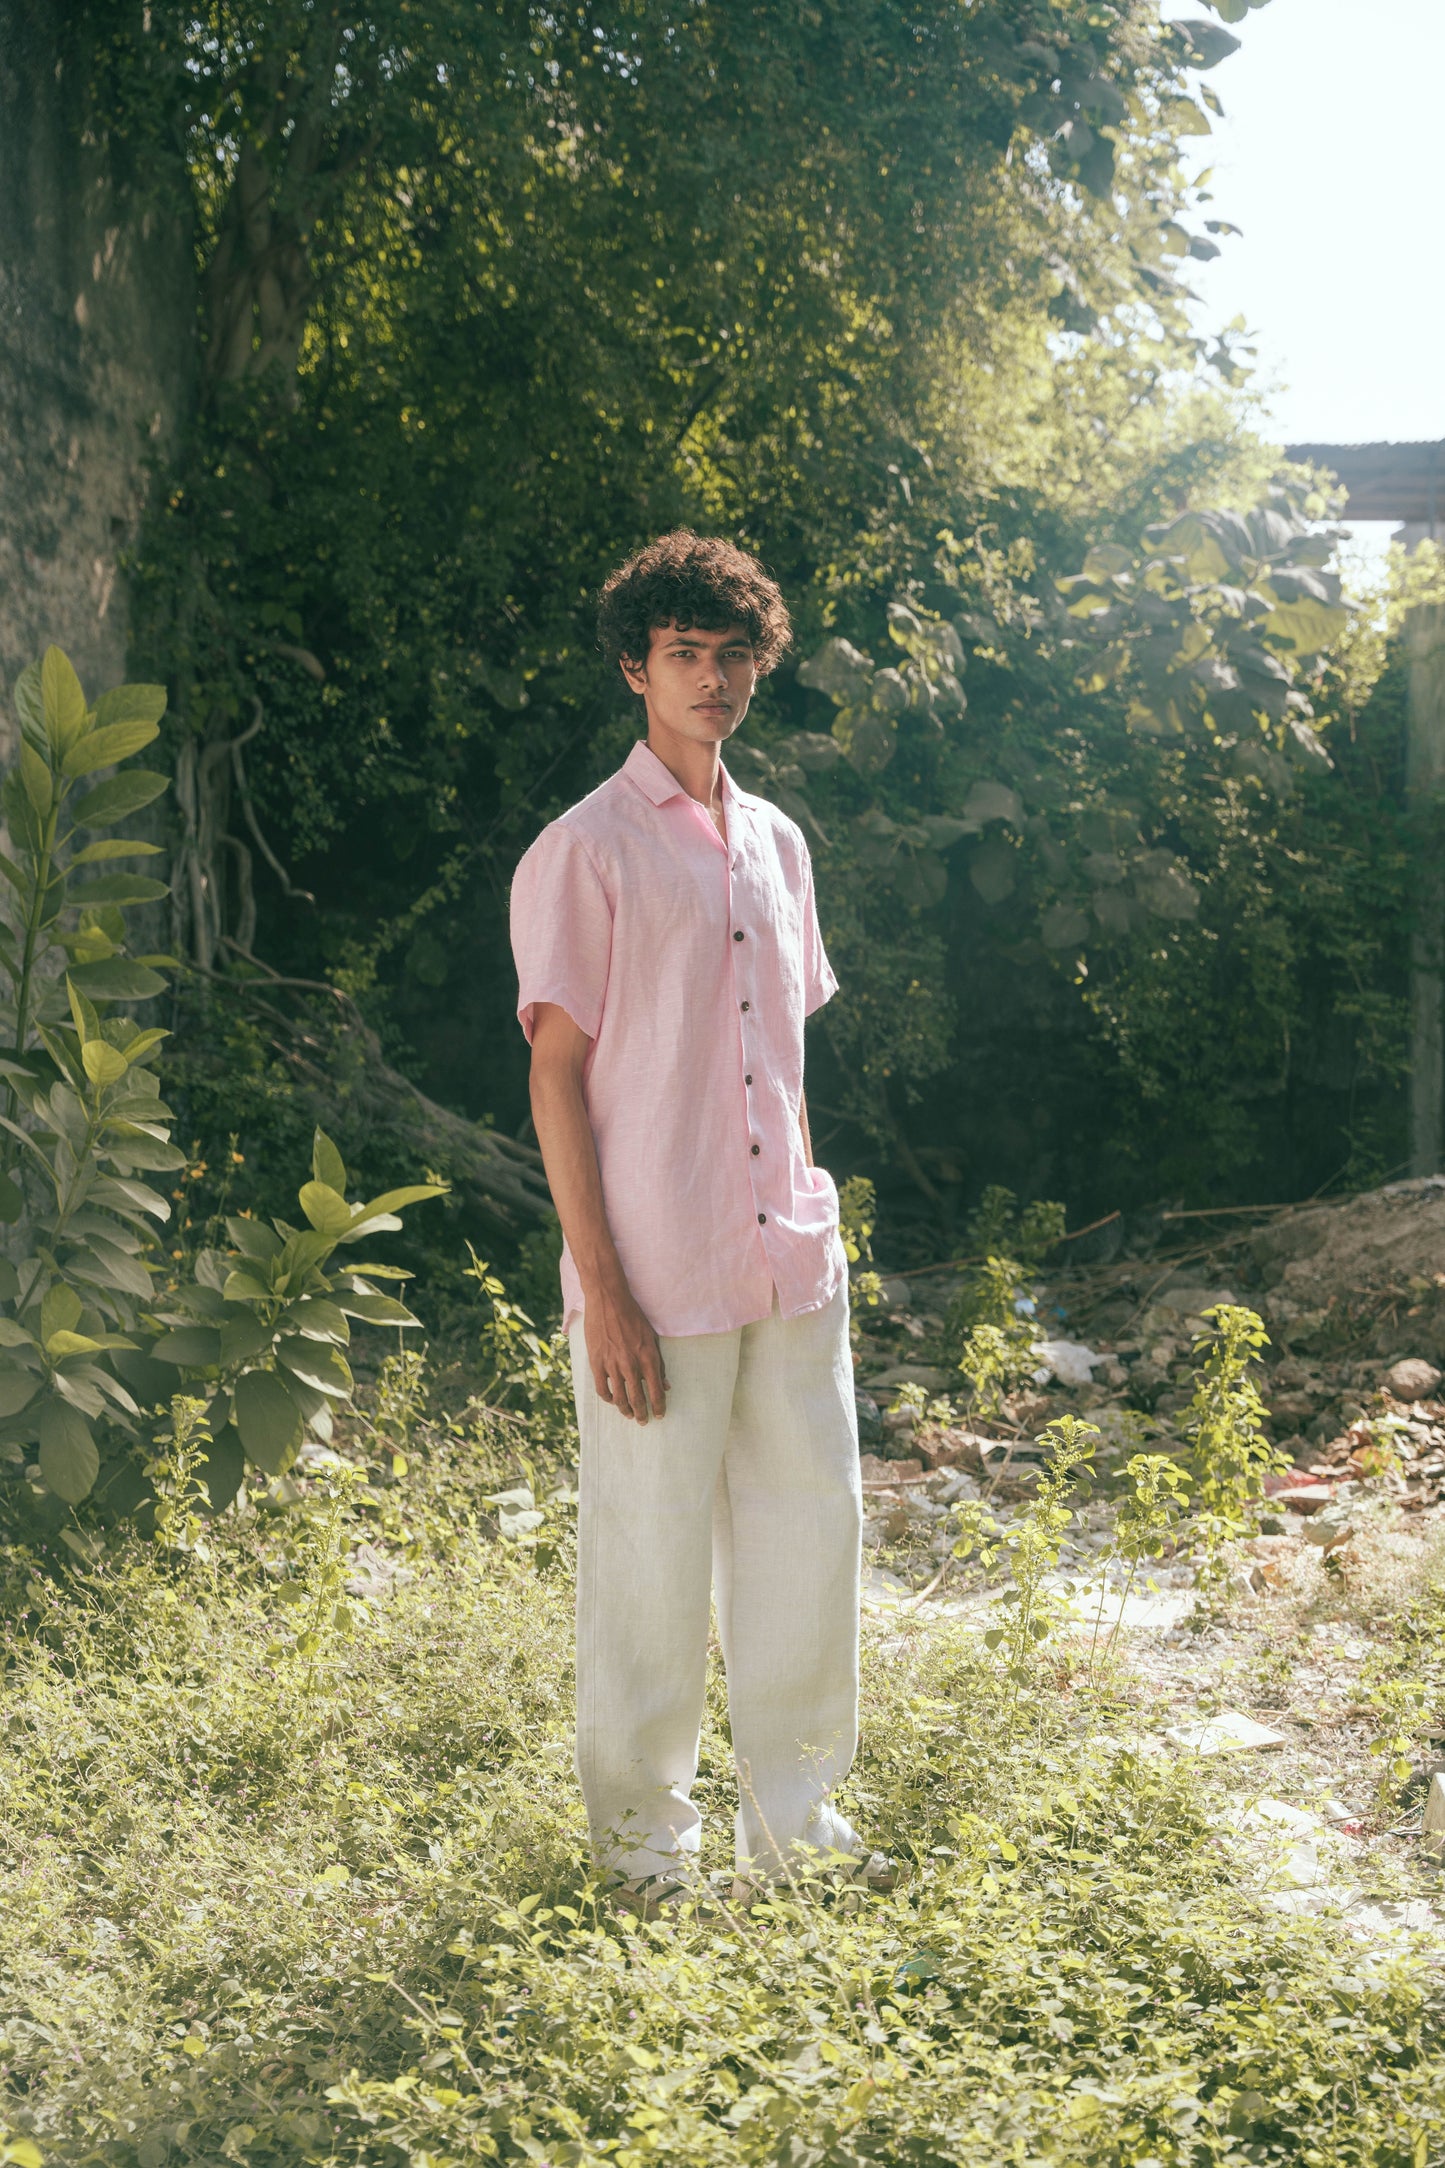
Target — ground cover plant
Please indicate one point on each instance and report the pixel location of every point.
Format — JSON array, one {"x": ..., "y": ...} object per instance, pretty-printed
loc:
[{"x": 295, "y": 1874}]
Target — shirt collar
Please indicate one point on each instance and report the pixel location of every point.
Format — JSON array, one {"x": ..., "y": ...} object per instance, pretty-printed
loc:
[{"x": 656, "y": 780}]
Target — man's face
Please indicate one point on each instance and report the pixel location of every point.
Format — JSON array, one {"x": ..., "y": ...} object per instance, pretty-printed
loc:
[{"x": 696, "y": 683}]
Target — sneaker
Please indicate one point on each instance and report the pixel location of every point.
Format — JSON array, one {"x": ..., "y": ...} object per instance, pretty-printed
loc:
[
  {"x": 872, "y": 1870},
  {"x": 656, "y": 1895}
]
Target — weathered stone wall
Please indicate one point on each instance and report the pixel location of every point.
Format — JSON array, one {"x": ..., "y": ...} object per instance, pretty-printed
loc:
[{"x": 97, "y": 329}]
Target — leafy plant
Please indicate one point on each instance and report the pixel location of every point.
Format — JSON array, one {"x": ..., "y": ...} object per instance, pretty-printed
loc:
[
  {"x": 1144, "y": 1526},
  {"x": 1224, "y": 1423},
  {"x": 89, "y": 1335},
  {"x": 857, "y": 1217},
  {"x": 991, "y": 1319},
  {"x": 1033, "y": 1543},
  {"x": 523, "y": 1364}
]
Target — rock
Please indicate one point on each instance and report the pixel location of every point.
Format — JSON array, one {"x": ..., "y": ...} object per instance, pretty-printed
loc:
[
  {"x": 932, "y": 1381},
  {"x": 887, "y": 1472},
  {"x": 870, "y": 1419},
  {"x": 952, "y": 1448},
  {"x": 1193, "y": 1301},
  {"x": 897, "y": 1294},
  {"x": 1302, "y": 1498},
  {"x": 1328, "y": 1530},
  {"x": 1411, "y": 1379},
  {"x": 1432, "y": 1829},
  {"x": 896, "y": 1421}
]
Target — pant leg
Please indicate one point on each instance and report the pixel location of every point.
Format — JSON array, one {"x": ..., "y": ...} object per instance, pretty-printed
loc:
[
  {"x": 643, "y": 1584},
  {"x": 787, "y": 1552}
]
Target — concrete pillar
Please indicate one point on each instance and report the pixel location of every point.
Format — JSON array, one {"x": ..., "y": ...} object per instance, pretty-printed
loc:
[{"x": 1425, "y": 791}]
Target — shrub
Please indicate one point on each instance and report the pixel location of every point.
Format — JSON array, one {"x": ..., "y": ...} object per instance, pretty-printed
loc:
[{"x": 91, "y": 1335}]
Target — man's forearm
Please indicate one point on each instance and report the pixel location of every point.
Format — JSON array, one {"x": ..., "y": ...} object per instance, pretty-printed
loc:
[
  {"x": 803, "y": 1121},
  {"x": 569, "y": 1154}
]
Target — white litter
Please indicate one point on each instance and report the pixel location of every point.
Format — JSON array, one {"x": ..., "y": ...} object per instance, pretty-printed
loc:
[
  {"x": 1067, "y": 1360},
  {"x": 1227, "y": 1733}
]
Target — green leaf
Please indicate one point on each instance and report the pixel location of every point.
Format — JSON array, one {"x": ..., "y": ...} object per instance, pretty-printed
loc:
[
  {"x": 393, "y": 1201},
  {"x": 115, "y": 978},
  {"x": 61, "y": 1344},
  {"x": 223, "y": 1469},
  {"x": 30, "y": 705},
  {"x": 103, "y": 1064},
  {"x": 255, "y": 1239},
  {"x": 327, "y": 1164},
  {"x": 316, "y": 1365},
  {"x": 69, "y": 1461},
  {"x": 376, "y": 1310},
  {"x": 268, "y": 1420},
  {"x": 245, "y": 1287},
  {"x": 243, "y": 1339},
  {"x": 103, "y": 748},
  {"x": 114, "y": 847},
  {"x": 101, "y": 1264},
  {"x": 316, "y": 1319},
  {"x": 60, "y": 1309},
  {"x": 119, "y": 888},
  {"x": 121, "y": 796},
  {"x": 12, "y": 1200},
  {"x": 35, "y": 775},
  {"x": 17, "y": 1389},
  {"x": 190, "y": 1347},
  {"x": 130, "y": 704},
  {"x": 60, "y": 689},
  {"x": 328, "y": 1212}
]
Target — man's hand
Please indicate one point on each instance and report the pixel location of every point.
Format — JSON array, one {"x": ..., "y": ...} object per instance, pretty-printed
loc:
[{"x": 622, "y": 1348}]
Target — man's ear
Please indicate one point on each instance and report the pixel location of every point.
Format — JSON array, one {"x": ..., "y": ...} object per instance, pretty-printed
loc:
[{"x": 635, "y": 674}]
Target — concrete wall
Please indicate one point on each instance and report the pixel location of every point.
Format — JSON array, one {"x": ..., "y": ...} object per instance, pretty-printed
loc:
[{"x": 97, "y": 331}]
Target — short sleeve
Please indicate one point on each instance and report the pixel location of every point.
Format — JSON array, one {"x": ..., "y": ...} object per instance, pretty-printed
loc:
[
  {"x": 819, "y": 981},
  {"x": 561, "y": 931}
]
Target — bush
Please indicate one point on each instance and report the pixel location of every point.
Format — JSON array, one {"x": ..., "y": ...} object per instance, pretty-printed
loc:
[{"x": 97, "y": 1333}]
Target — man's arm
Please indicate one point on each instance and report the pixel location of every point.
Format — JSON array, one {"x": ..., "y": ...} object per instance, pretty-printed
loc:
[
  {"x": 621, "y": 1344},
  {"x": 803, "y": 1119}
]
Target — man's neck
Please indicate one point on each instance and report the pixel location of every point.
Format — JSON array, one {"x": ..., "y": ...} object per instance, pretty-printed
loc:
[{"x": 695, "y": 766}]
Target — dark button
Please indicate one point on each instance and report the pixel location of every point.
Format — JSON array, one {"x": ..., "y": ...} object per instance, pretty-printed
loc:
[
  {"x": 737, "y": 937},
  {"x": 747, "y": 1080},
  {"x": 756, "y": 1149},
  {"x": 747, "y": 1004},
  {"x": 762, "y": 1219}
]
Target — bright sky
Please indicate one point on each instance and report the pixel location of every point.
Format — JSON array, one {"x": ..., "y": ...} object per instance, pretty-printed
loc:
[{"x": 1329, "y": 158}]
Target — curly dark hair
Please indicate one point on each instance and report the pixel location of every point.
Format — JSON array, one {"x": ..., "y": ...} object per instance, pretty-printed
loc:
[{"x": 697, "y": 582}]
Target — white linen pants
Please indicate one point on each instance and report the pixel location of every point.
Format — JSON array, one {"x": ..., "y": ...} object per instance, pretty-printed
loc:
[{"x": 748, "y": 1485}]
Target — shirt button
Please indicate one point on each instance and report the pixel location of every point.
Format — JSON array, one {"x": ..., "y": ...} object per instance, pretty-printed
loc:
[
  {"x": 737, "y": 937},
  {"x": 762, "y": 1219},
  {"x": 756, "y": 1149},
  {"x": 747, "y": 1080},
  {"x": 747, "y": 1004}
]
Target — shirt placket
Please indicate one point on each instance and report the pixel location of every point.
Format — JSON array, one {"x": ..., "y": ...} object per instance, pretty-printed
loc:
[{"x": 744, "y": 939}]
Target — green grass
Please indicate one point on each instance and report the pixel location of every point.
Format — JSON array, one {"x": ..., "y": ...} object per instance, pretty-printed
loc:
[{"x": 287, "y": 1886}]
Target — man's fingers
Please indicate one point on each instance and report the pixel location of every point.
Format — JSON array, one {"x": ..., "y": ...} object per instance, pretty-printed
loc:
[{"x": 656, "y": 1380}]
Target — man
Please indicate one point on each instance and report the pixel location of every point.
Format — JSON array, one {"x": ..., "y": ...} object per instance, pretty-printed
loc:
[{"x": 667, "y": 953}]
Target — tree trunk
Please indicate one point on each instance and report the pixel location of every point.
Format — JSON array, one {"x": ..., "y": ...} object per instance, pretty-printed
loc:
[{"x": 97, "y": 350}]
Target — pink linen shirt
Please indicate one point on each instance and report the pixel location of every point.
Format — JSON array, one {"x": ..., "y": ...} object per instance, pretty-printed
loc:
[{"x": 690, "y": 964}]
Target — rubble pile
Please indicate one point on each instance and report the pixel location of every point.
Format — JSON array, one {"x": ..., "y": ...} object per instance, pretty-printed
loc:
[{"x": 1352, "y": 1294}]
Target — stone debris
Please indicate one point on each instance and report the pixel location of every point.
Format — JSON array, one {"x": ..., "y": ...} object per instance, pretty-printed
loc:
[
  {"x": 1227, "y": 1733},
  {"x": 1301, "y": 1497},
  {"x": 1411, "y": 1379}
]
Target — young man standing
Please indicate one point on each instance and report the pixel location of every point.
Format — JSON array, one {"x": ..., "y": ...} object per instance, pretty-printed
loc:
[{"x": 667, "y": 953}]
